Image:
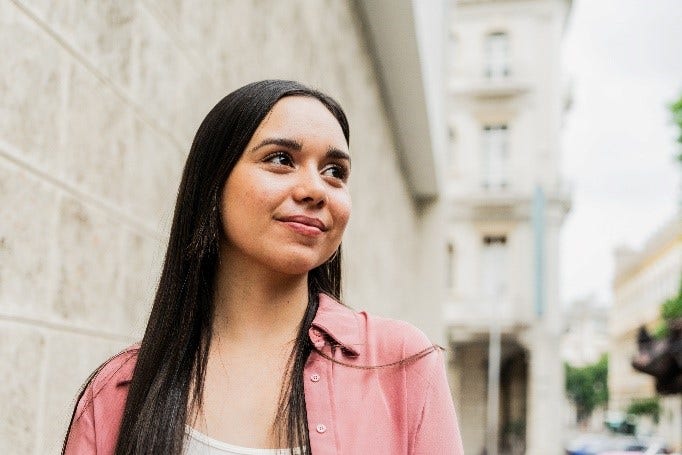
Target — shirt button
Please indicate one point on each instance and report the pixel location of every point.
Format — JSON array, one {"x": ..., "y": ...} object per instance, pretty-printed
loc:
[
  {"x": 321, "y": 428},
  {"x": 315, "y": 377}
]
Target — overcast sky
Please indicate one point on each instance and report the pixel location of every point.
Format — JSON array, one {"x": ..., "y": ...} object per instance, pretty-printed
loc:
[{"x": 624, "y": 59}]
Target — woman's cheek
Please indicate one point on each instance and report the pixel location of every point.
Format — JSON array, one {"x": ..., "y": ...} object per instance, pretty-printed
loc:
[{"x": 344, "y": 210}]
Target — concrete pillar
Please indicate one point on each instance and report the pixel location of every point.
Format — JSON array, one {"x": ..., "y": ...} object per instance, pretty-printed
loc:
[{"x": 545, "y": 394}]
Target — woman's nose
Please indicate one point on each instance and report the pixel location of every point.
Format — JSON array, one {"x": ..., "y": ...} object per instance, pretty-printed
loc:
[{"x": 310, "y": 188}]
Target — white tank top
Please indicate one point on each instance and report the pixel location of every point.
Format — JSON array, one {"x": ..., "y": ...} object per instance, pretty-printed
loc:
[{"x": 200, "y": 444}]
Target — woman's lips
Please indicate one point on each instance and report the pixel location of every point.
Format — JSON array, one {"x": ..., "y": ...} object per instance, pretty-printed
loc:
[{"x": 304, "y": 225}]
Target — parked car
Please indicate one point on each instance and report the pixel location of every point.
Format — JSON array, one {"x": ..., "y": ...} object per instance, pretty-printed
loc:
[
  {"x": 641, "y": 448},
  {"x": 596, "y": 444}
]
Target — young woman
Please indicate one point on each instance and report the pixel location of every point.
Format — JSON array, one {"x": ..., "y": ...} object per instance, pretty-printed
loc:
[{"x": 247, "y": 349}]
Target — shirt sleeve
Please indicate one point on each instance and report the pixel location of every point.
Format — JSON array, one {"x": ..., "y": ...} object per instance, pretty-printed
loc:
[
  {"x": 438, "y": 431},
  {"x": 80, "y": 439}
]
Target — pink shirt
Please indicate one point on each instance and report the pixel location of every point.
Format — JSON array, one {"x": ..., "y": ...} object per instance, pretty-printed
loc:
[{"x": 404, "y": 409}]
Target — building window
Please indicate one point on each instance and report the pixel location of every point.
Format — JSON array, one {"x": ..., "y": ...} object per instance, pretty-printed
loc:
[
  {"x": 452, "y": 148},
  {"x": 495, "y": 156},
  {"x": 494, "y": 266},
  {"x": 497, "y": 55},
  {"x": 450, "y": 267}
]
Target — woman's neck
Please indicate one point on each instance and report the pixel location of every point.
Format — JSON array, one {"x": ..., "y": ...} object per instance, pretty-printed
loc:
[{"x": 252, "y": 303}]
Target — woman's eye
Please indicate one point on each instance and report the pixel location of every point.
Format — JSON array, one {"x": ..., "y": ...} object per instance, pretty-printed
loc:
[
  {"x": 336, "y": 171},
  {"x": 280, "y": 159}
]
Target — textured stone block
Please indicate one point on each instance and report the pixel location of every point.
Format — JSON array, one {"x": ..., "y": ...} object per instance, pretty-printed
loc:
[
  {"x": 89, "y": 272},
  {"x": 196, "y": 98},
  {"x": 172, "y": 85},
  {"x": 98, "y": 133},
  {"x": 143, "y": 258},
  {"x": 101, "y": 31},
  {"x": 27, "y": 223},
  {"x": 158, "y": 79},
  {"x": 21, "y": 351},
  {"x": 152, "y": 176},
  {"x": 71, "y": 358},
  {"x": 190, "y": 27},
  {"x": 182, "y": 29},
  {"x": 30, "y": 89}
]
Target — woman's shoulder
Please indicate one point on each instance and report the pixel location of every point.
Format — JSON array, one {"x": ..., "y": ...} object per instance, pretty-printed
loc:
[
  {"x": 394, "y": 334},
  {"x": 396, "y": 337},
  {"x": 97, "y": 415},
  {"x": 112, "y": 375},
  {"x": 117, "y": 370}
]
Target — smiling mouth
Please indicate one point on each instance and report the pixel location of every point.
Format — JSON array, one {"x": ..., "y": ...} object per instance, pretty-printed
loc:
[{"x": 305, "y": 225}]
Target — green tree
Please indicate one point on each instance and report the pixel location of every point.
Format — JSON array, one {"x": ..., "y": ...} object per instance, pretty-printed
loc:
[
  {"x": 676, "y": 109},
  {"x": 587, "y": 387},
  {"x": 645, "y": 406},
  {"x": 670, "y": 309}
]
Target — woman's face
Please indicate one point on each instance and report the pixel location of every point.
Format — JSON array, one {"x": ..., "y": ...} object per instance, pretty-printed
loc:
[{"x": 286, "y": 203}]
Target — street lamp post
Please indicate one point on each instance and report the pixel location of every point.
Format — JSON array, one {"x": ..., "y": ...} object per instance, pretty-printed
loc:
[{"x": 494, "y": 358}]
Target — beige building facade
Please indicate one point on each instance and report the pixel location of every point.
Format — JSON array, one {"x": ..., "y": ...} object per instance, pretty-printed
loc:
[
  {"x": 643, "y": 281},
  {"x": 586, "y": 336},
  {"x": 506, "y": 205},
  {"x": 100, "y": 104}
]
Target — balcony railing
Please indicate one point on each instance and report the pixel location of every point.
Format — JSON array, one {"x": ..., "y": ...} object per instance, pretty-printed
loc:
[
  {"x": 474, "y": 313},
  {"x": 482, "y": 87}
]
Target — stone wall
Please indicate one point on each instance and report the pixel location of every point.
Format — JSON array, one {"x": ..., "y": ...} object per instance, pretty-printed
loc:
[{"x": 100, "y": 101}]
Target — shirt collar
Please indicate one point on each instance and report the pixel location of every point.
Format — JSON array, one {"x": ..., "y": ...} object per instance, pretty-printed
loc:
[
  {"x": 339, "y": 323},
  {"x": 333, "y": 319}
]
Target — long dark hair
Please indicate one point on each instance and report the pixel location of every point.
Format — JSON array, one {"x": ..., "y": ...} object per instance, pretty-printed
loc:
[{"x": 169, "y": 374}]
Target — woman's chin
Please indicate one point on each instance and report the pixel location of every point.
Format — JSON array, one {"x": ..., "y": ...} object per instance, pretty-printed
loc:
[{"x": 294, "y": 266}]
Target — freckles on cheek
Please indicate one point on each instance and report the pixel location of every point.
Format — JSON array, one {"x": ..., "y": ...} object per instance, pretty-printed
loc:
[
  {"x": 256, "y": 195},
  {"x": 256, "y": 199},
  {"x": 343, "y": 210}
]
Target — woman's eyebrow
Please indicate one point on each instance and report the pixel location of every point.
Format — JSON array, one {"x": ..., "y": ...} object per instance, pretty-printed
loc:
[
  {"x": 283, "y": 142},
  {"x": 338, "y": 154},
  {"x": 294, "y": 145}
]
